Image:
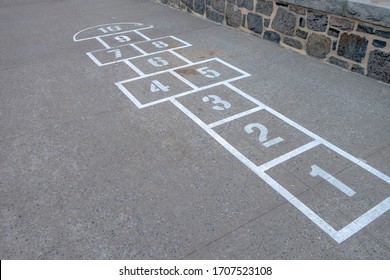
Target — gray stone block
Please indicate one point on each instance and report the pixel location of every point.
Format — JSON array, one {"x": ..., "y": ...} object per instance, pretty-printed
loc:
[
  {"x": 338, "y": 62},
  {"x": 265, "y": 7},
  {"x": 292, "y": 43},
  {"x": 341, "y": 23},
  {"x": 301, "y": 34},
  {"x": 214, "y": 15},
  {"x": 365, "y": 29},
  {"x": 317, "y": 21},
  {"x": 284, "y": 22},
  {"x": 199, "y": 6},
  {"x": 218, "y": 5},
  {"x": 248, "y": 4},
  {"x": 233, "y": 15},
  {"x": 357, "y": 69},
  {"x": 352, "y": 46},
  {"x": 255, "y": 22},
  {"x": 318, "y": 45},
  {"x": 272, "y": 36},
  {"x": 333, "y": 32},
  {"x": 379, "y": 43},
  {"x": 379, "y": 65}
]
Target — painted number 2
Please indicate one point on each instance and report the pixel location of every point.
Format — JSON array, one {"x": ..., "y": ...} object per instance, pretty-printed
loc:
[
  {"x": 263, "y": 134},
  {"x": 224, "y": 105}
]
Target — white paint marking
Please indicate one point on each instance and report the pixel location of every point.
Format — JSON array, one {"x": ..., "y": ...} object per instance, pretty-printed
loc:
[
  {"x": 247, "y": 96},
  {"x": 166, "y": 70},
  {"x": 182, "y": 41},
  {"x": 142, "y": 35},
  {"x": 138, "y": 49},
  {"x": 272, "y": 142},
  {"x": 245, "y": 74},
  {"x": 271, "y": 182},
  {"x": 116, "y": 33},
  {"x": 319, "y": 139},
  {"x": 103, "y": 43},
  {"x": 129, "y": 95},
  {"x": 186, "y": 60},
  {"x": 187, "y": 82},
  {"x": 318, "y": 171},
  {"x": 264, "y": 167},
  {"x": 234, "y": 117},
  {"x": 94, "y": 59},
  {"x": 363, "y": 220},
  {"x": 135, "y": 68}
]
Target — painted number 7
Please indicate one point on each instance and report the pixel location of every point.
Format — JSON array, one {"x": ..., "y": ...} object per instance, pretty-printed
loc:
[
  {"x": 263, "y": 134},
  {"x": 117, "y": 52},
  {"x": 205, "y": 71}
]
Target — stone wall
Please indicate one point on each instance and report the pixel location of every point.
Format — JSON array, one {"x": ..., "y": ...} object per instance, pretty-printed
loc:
[{"x": 348, "y": 42}]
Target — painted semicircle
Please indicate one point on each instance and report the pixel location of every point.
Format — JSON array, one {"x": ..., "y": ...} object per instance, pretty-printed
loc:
[{"x": 106, "y": 30}]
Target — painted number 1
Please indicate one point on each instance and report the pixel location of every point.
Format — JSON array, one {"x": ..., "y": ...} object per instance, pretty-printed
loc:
[
  {"x": 317, "y": 171},
  {"x": 263, "y": 134}
]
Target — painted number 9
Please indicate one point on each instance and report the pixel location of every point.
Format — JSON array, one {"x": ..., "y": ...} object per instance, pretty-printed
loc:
[{"x": 263, "y": 134}]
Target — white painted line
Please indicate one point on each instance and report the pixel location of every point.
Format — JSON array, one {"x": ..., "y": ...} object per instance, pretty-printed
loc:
[
  {"x": 357, "y": 161},
  {"x": 94, "y": 59},
  {"x": 271, "y": 182},
  {"x": 135, "y": 68},
  {"x": 110, "y": 34},
  {"x": 245, "y": 74},
  {"x": 363, "y": 220},
  {"x": 186, "y": 60},
  {"x": 319, "y": 139},
  {"x": 166, "y": 70},
  {"x": 182, "y": 41},
  {"x": 138, "y": 49},
  {"x": 318, "y": 171},
  {"x": 234, "y": 117},
  {"x": 183, "y": 80},
  {"x": 247, "y": 96},
  {"x": 142, "y": 35},
  {"x": 103, "y": 43},
  {"x": 272, "y": 142},
  {"x": 129, "y": 95},
  {"x": 264, "y": 167}
]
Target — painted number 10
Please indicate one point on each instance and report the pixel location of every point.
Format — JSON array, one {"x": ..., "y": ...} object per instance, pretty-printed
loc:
[
  {"x": 109, "y": 29},
  {"x": 263, "y": 134}
]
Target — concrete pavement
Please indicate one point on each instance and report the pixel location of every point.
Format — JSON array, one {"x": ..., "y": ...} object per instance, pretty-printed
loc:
[{"x": 211, "y": 144}]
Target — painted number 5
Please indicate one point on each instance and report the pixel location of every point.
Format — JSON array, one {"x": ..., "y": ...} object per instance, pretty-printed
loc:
[
  {"x": 205, "y": 71},
  {"x": 263, "y": 134},
  {"x": 217, "y": 100}
]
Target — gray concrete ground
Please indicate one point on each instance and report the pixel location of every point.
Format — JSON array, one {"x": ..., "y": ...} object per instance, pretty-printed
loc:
[{"x": 86, "y": 174}]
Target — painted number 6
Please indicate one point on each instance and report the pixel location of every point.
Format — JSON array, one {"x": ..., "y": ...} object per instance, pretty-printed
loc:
[{"x": 263, "y": 134}]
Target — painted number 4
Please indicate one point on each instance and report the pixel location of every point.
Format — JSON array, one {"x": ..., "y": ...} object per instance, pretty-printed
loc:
[
  {"x": 156, "y": 86},
  {"x": 263, "y": 134}
]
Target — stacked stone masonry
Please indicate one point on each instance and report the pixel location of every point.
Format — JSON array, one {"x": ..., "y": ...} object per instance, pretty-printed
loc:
[{"x": 360, "y": 46}]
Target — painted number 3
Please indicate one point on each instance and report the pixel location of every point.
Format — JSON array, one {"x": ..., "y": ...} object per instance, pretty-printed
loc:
[
  {"x": 217, "y": 100},
  {"x": 263, "y": 134}
]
